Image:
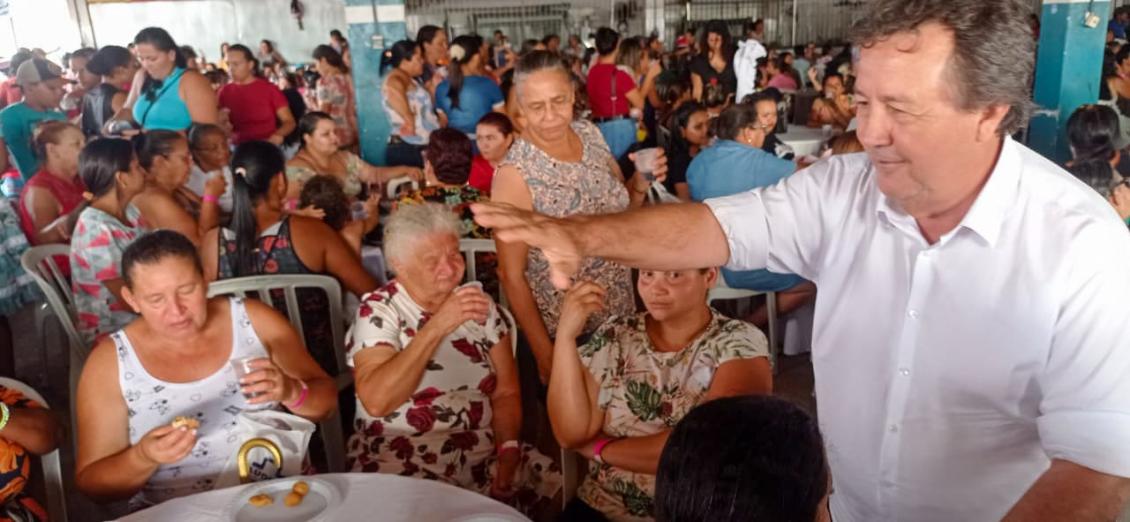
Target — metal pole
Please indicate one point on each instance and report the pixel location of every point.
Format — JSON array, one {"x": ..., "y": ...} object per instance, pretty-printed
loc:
[{"x": 795, "y": 17}]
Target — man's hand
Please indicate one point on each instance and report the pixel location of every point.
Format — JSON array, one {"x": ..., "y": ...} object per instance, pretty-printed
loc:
[{"x": 556, "y": 238}]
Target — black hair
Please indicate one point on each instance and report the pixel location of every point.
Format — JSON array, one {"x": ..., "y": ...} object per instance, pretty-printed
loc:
[
  {"x": 426, "y": 34},
  {"x": 1122, "y": 55},
  {"x": 400, "y": 51},
  {"x": 734, "y": 120},
  {"x": 247, "y": 55},
  {"x": 549, "y": 37},
  {"x": 335, "y": 33},
  {"x": 101, "y": 160},
  {"x": 149, "y": 145},
  {"x": 449, "y": 152},
  {"x": 153, "y": 248},
  {"x": 308, "y": 123},
  {"x": 606, "y": 40},
  {"x": 768, "y": 463},
  {"x": 160, "y": 39},
  {"x": 499, "y": 121},
  {"x": 85, "y": 52},
  {"x": 331, "y": 56},
  {"x": 1096, "y": 174},
  {"x": 719, "y": 28},
  {"x": 108, "y": 59},
  {"x": 1093, "y": 131},
  {"x": 270, "y": 45},
  {"x": 254, "y": 165},
  {"x": 471, "y": 44},
  {"x": 679, "y": 121},
  {"x": 831, "y": 74},
  {"x": 198, "y": 131},
  {"x": 188, "y": 52},
  {"x": 326, "y": 193}
]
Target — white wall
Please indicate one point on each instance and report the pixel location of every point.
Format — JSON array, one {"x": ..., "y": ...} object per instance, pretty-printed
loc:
[
  {"x": 45, "y": 24},
  {"x": 205, "y": 24}
]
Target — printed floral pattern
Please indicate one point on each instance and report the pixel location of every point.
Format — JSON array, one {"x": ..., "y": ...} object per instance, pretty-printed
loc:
[
  {"x": 15, "y": 467},
  {"x": 96, "y": 253},
  {"x": 560, "y": 189},
  {"x": 336, "y": 91},
  {"x": 643, "y": 392},
  {"x": 443, "y": 431}
]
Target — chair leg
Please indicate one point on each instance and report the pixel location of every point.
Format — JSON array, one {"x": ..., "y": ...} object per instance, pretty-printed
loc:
[
  {"x": 771, "y": 305},
  {"x": 53, "y": 480},
  {"x": 43, "y": 315},
  {"x": 333, "y": 443},
  {"x": 570, "y": 480}
]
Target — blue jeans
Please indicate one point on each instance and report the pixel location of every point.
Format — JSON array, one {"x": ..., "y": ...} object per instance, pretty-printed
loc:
[{"x": 619, "y": 134}]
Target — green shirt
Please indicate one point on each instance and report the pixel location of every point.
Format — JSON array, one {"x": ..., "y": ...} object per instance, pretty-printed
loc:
[{"x": 17, "y": 123}]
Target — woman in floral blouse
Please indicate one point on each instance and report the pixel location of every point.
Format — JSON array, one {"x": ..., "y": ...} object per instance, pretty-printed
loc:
[
  {"x": 437, "y": 386},
  {"x": 29, "y": 430},
  {"x": 615, "y": 399}
]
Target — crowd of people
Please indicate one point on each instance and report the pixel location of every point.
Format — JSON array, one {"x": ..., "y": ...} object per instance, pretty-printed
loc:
[{"x": 621, "y": 180}]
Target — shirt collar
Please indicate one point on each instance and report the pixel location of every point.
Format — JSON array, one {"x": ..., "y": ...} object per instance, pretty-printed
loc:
[{"x": 987, "y": 214}]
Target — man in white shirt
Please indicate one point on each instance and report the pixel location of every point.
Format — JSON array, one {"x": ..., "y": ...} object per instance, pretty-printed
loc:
[
  {"x": 745, "y": 66},
  {"x": 971, "y": 345}
]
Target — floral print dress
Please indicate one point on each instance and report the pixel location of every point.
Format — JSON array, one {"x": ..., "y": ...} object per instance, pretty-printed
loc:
[
  {"x": 643, "y": 392},
  {"x": 561, "y": 189},
  {"x": 336, "y": 91},
  {"x": 443, "y": 431},
  {"x": 15, "y": 468},
  {"x": 96, "y": 254}
]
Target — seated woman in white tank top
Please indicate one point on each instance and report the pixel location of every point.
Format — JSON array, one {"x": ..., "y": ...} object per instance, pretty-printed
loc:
[{"x": 174, "y": 361}]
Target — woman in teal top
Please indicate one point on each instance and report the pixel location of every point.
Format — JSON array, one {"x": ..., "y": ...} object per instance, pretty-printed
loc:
[{"x": 166, "y": 95}]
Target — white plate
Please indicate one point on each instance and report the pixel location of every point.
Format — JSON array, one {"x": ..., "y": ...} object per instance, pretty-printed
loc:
[{"x": 322, "y": 499}]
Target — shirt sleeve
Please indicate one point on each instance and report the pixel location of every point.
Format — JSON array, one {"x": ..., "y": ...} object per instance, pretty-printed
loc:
[
  {"x": 739, "y": 340},
  {"x": 624, "y": 82},
  {"x": 377, "y": 323},
  {"x": 278, "y": 101},
  {"x": 599, "y": 356},
  {"x": 783, "y": 227},
  {"x": 1085, "y": 406}
]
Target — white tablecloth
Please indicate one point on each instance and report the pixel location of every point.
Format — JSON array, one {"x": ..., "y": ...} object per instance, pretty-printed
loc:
[
  {"x": 365, "y": 496},
  {"x": 804, "y": 141}
]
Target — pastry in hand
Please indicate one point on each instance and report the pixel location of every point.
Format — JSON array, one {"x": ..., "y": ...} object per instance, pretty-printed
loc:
[
  {"x": 185, "y": 422},
  {"x": 260, "y": 500}
]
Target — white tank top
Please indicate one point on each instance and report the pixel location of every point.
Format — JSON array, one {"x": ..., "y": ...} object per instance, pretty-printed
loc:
[{"x": 215, "y": 401}]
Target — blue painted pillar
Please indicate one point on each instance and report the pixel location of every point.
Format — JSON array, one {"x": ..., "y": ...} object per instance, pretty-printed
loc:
[
  {"x": 1068, "y": 70},
  {"x": 373, "y": 26}
]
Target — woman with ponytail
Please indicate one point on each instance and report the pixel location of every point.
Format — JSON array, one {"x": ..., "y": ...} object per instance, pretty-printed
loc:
[
  {"x": 165, "y": 93},
  {"x": 468, "y": 93},
  {"x": 106, "y": 226},
  {"x": 264, "y": 239},
  {"x": 1095, "y": 137},
  {"x": 409, "y": 107}
]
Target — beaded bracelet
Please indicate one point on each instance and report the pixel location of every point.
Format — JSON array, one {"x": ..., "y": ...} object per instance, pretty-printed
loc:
[{"x": 4, "y": 416}]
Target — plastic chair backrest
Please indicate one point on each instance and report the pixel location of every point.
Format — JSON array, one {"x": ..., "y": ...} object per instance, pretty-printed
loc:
[
  {"x": 470, "y": 247},
  {"x": 39, "y": 263},
  {"x": 261, "y": 287},
  {"x": 52, "y": 467},
  {"x": 392, "y": 188}
]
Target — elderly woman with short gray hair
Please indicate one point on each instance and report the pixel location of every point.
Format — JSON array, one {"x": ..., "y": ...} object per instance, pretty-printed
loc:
[{"x": 437, "y": 386}]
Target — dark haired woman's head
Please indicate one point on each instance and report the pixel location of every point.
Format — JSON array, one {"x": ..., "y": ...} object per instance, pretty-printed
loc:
[
  {"x": 326, "y": 193},
  {"x": 257, "y": 179},
  {"x": 754, "y": 457},
  {"x": 164, "y": 283},
  {"x": 690, "y": 126},
  {"x": 266, "y": 46},
  {"x": 493, "y": 135},
  {"x": 326, "y": 57},
  {"x": 464, "y": 49},
  {"x": 109, "y": 166},
  {"x": 607, "y": 40},
  {"x": 154, "y": 247},
  {"x": 404, "y": 55},
  {"x": 448, "y": 156},
  {"x": 242, "y": 63},
  {"x": 545, "y": 92},
  {"x": 317, "y": 131},
  {"x": 433, "y": 43},
  {"x": 735, "y": 122},
  {"x": 1122, "y": 59},
  {"x": 715, "y": 38},
  {"x": 1093, "y": 132},
  {"x": 158, "y": 53},
  {"x": 113, "y": 61}
]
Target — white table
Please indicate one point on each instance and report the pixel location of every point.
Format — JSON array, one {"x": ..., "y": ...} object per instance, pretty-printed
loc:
[
  {"x": 805, "y": 141},
  {"x": 365, "y": 496}
]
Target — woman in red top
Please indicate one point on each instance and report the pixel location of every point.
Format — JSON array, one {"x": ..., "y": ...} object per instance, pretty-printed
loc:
[
  {"x": 256, "y": 107},
  {"x": 51, "y": 199},
  {"x": 494, "y": 134}
]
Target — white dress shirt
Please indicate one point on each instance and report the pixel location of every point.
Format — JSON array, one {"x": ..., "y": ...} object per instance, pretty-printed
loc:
[{"x": 948, "y": 375}]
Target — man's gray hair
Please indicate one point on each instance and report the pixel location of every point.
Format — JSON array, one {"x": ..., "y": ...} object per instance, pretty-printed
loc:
[
  {"x": 994, "y": 48},
  {"x": 411, "y": 222}
]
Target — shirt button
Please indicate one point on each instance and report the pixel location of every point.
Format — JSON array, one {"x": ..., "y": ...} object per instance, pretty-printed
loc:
[
  {"x": 913, "y": 314},
  {"x": 904, "y": 371},
  {"x": 894, "y": 428}
]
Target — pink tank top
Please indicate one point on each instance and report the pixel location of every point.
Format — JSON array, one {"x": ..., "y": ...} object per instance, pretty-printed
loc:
[{"x": 67, "y": 193}]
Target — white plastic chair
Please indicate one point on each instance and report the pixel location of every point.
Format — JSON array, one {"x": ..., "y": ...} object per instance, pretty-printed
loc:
[
  {"x": 261, "y": 287},
  {"x": 392, "y": 188},
  {"x": 52, "y": 467},
  {"x": 470, "y": 247},
  {"x": 722, "y": 292}
]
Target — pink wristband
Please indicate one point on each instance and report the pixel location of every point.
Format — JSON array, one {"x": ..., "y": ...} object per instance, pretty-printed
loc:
[
  {"x": 292, "y": 204},
  {"x": 598, "y": 449},
  {"x": 301, "y": 397},
  {"x": 208, "y": 198}
]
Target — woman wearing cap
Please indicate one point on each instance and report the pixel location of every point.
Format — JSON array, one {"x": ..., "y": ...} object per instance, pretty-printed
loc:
[
  {"x": 116, "y": 66},
  {"x": 166, "y": 95}
]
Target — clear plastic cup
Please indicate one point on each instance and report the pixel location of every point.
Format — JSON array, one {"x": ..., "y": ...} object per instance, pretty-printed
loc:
[
  {"x": 645, "y": 162},
  {"x": 242, "y": 368},
  {"x": 827, "y": 130}
]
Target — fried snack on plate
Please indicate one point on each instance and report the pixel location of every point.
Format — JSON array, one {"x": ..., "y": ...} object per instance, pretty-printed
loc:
[
  {"x": 186, "y": 422},
  {"x": 292, "y": 499},
  {"x": 301, "y": 487},
  {"x": 260, "y": 500}
]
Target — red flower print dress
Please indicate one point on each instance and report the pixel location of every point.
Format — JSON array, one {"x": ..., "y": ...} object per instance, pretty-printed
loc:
[
  {"x": 96, "y": 254},
  {"x": 443, "y": 431}
]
